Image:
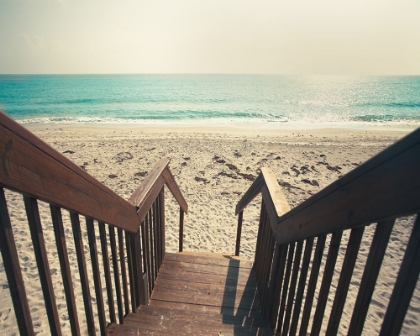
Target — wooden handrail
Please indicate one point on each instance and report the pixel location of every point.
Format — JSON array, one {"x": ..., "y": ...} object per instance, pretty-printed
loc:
[
  {"x": 386, "y": 186},
  {"x": 266, "y": 183},
  {"x": 149, "y": 189},
  {"x": 30, "y": 166},
  {"x": 365, "y": 195}
]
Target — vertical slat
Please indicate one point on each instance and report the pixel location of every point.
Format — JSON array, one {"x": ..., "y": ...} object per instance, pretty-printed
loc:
[
  {"x": 138, "y": 276},
  {"x": 116, "y": 273},
  {"x": 320, "y": 244},
  {"x": 81, "y": 261},
  {"x": 181, "y": 229},
  {"x": 38, "y": 241},
  {"x": 285, "y": 286},
  {"x": 162, "y": 217},
  {"x": 155, "y": 239},
  {"x": 345, "y": 278},
  {"x": 13, "y": 271},
  {"x": 290, "y": 299},
  {"x": 260, "y": 261},
  {"x": 267, "y": 263},
  {"x": 370, "y": 275},
  {"x": 96, "y": 274},
  {"x": 123, "y": 270},
  {"x": 60, "y": 239},
  {"x": 107, "y": 271},
  {"x": 272, "y": 282},
  {"x": 404, "y": 286},
  {"x": 130, "y": 262},
  {"x": 146, "y": 250},
  {"x": 158, "y": 233},
  {"x": 239, "y": 233},
  {"x": 301, "y": 285},
  {"x": 152, "y": 249},
  {"x": 278, "y": 288},
  {"x": 326, "y": 282}
]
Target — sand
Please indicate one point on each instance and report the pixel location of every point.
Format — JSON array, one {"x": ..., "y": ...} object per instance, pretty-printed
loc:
[{"x": 213, "y": 168}]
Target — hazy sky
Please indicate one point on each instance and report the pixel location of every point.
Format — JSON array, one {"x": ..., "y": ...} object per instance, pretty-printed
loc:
[{"x": 210, "y": 36}]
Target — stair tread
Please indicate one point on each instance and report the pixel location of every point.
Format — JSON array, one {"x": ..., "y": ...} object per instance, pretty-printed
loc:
[
  {"x": 168, "y": 314},
  {"x": 122, "y": 329}
]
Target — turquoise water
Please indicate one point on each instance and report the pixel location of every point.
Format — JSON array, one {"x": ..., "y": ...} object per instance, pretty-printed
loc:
[{"x": 272, "y": 100}]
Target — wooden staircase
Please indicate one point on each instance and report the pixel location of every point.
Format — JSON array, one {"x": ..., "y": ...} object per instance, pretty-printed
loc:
[{"x": 199, "y": 294}]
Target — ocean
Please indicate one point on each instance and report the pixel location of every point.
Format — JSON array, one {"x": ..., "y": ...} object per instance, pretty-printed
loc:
[{"x": 266, "y": 100}]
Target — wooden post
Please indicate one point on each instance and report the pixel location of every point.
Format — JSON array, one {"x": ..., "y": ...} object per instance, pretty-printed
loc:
[
  {"x": 137, "y": 269},
  {"x": 181, "y": 229},
  {"x": 238, "y": 233}
]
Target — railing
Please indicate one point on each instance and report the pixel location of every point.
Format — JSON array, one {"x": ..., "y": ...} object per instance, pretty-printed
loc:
[
  {"x": 291, "y": 244},
  {"x": 132, "y": 231}
]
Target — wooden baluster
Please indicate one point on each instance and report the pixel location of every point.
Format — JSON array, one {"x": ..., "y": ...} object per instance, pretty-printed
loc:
[
  {"x": 155, "y": 238},
  {"x": 290, "y": 299},
  {"x": 320, "y": 244},
  {"x": 326, "y": 282},
  {"x": 107, "y": 271},
  {"x": 345, "y": 278},
  {"x": 116, "y": 273},
  {"x": 146, "y": 251},
  {"x": 138, "y": 275},
  {"x": 404, "y": 286},
  {"x": 84, "y": 280},
  {"x": 370, "y": 275},
  {"x": 301, "y": 285},
  {"x": 162, "y": 224},
  {"x": 40, "y": 251},
  {"x": 268, "y": 260},
  {"x": 130, "y": 261},
  {"x": 285, "y": 286},
  {"x": 13, "y": 271},
  {"x": 239, "y": 233},
  {"x": 60, "y": 239},
  {"x": 152, "y": 248},
  {"x": 96, "y": 274},
  {"x": 123, "y": 270},
  {"x": 278, "y": 286},
  {"x": 158, "y": 233},
  {"x": 181, "y": 230}
]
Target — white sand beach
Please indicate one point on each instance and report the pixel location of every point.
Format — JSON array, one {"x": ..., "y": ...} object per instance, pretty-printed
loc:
[{"x": 213, "y": 167}]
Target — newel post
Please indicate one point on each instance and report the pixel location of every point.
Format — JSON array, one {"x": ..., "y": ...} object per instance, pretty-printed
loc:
[{"x": 238, "y": 233}]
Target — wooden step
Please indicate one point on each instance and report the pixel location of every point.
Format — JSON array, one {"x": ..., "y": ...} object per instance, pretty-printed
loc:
[
  {"x": 122, "y": 330},
  {"x": 193, "y": 325},
  {"x": 153, "y": 312}
]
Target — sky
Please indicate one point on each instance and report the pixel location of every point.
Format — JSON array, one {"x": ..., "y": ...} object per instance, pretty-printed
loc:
[{"x": 369, "y": 37}]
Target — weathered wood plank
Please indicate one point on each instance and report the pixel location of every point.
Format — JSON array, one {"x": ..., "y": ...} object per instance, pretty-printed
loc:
[
  {"x": 63, "y": 257},
  {"x": 187, "y": 308},
  {"x": 345, "y": 278},
  {"x": 316, "y": 263},
  {"x": 370, "y": 275},
  {"x": 40, "y": 251},
  {"x": 84, "y": 279},
  {"x": 107, "y": 271},
  {"x": 123, "y": 270},
  {"x": 30, "y": 166},
  {"x": 116, "y": 270},
  {"x": 326, "y": 282},
  {"x": 384, "y": 187},
  {"x": 404, "y": 286},
  {"x": 13, "y": 271},
  {"x": 174, "y": 189},
  {"x": 210, "y": 261},
  {"x": 145, "y": 188},
  {"x": 96, "y": 274},
  {"x": 301, "y": 286}
]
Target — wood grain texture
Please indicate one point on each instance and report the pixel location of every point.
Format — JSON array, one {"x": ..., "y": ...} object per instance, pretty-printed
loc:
[
  {"x": 30, "y": 166},
  {"x": 174, "y": 189},
  {"x": 14, "y": 274}
]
